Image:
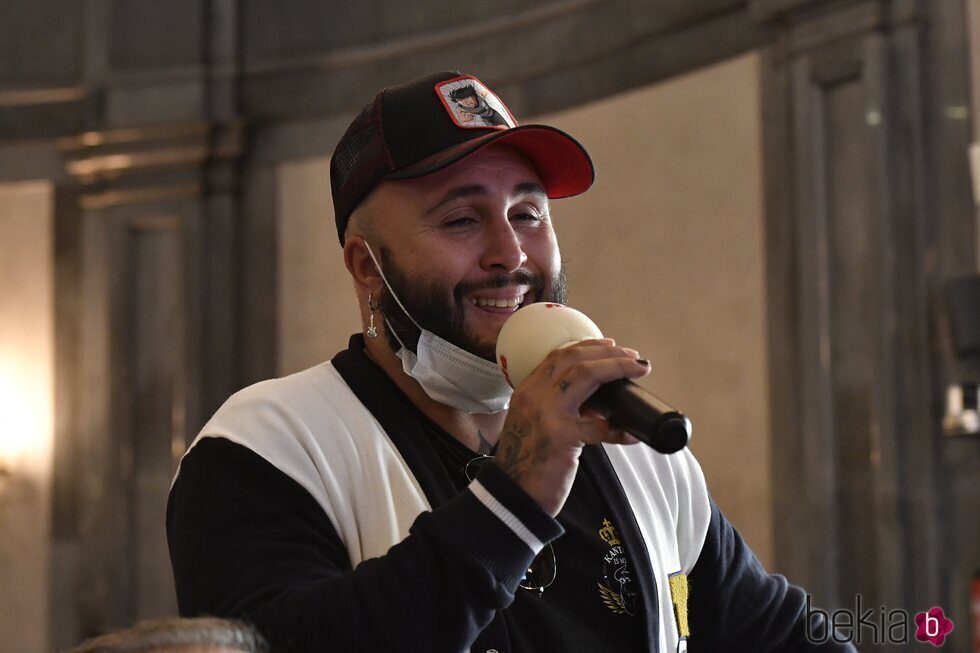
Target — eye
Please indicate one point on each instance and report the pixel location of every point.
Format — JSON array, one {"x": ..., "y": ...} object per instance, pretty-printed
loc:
[
  {"x": 462, "y": 221},
  {"x": 526, "y": 216}
]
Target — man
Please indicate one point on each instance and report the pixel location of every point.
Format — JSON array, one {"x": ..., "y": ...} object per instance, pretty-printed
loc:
[
  {"x": 353, "y": 506},
  {"x": 202, "y": 635}
]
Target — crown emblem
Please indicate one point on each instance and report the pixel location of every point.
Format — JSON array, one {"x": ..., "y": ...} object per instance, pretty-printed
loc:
[{"x": 608, "y": 533}]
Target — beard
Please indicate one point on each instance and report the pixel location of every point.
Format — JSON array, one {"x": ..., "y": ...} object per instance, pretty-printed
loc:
[{"x": 443, "y": 313}]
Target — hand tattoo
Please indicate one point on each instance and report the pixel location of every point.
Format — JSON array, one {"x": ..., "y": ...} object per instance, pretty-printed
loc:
[
  {"x": 513, "y": 458},
  {"x": 518, "y": 453}
]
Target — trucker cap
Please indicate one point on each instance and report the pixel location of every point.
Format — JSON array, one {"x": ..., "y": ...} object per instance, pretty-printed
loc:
[{"x": 424, "y": 125}]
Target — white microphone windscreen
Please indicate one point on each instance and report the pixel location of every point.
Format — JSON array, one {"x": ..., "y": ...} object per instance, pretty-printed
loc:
[{"x": 534, "y": 331}]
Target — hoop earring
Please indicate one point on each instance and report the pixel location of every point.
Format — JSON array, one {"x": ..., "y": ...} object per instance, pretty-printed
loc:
[{"x": 372, "y": 332}]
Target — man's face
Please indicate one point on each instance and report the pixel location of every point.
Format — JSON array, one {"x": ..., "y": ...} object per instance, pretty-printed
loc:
[
  {"x": 469, "y": 101},
  {"x": 462, "y": 240}
]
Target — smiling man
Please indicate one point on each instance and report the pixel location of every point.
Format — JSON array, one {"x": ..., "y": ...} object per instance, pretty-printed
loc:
[{"x": 402, "y": 496}]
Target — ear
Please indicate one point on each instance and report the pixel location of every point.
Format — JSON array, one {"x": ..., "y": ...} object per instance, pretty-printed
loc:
[{"x": 361, "y": 266}]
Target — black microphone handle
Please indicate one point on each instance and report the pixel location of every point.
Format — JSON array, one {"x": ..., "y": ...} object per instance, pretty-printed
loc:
[{"x": 629, "y": 407}]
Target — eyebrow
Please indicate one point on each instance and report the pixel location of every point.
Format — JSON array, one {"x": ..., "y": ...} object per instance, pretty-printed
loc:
[{"x": 471, "y": 190}]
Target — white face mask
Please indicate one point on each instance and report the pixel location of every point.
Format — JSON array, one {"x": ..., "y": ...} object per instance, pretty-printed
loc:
[{"x": 449, "y": 374}]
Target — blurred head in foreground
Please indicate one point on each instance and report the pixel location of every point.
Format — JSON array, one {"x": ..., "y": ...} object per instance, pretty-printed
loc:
[{"x": 202, "y": 635}]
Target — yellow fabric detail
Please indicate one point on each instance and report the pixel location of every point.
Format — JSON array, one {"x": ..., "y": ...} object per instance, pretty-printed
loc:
[{"x": 678, "y": 596}]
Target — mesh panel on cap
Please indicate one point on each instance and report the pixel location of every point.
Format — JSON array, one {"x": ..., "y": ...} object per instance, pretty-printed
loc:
[{"x": 357, "y": 163}]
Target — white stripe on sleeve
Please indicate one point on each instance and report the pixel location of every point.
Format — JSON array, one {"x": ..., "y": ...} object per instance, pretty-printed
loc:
[{"x": 506, "y": 516}]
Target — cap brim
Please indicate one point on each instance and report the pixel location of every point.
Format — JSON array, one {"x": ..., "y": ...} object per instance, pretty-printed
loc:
[{"x": 563, "y": 165}]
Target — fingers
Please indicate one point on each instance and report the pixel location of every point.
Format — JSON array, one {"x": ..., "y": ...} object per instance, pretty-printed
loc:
[
  {"x": 554, "y": 393},
  {"x": 582, "y": 379},
  {"x": 555, "y": 364},
  {"x": 593, "y": 349}
]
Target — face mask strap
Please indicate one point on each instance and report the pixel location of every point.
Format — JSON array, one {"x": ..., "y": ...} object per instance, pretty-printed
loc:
[
  {"x": 442, "y": 384},
  {"x": 393, "y": 332},
  {"x": 388, "y": 286}
]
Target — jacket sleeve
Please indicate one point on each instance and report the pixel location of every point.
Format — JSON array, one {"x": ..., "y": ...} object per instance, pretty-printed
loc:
[
  {"x": 247, "y": 541},
  {"x": 735, "y": 605}
]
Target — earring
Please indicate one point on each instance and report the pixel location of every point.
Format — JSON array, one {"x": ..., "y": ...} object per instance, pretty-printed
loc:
[{"x": 372, "y": 332}]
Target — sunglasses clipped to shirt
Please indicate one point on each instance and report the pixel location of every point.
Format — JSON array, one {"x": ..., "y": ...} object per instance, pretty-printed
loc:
[{"x": 543, "y": 569}]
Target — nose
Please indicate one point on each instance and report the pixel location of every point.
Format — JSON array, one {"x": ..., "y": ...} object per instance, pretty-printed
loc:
[{"x": 504, "y": 251}]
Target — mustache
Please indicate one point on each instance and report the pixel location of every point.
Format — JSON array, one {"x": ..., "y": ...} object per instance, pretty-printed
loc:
[{"x": 516, "y": 278}]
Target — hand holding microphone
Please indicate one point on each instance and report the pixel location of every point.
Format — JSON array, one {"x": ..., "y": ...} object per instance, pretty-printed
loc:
[
  {"x": 536, "y": 330},
  {"x": 558, "y": 363}
]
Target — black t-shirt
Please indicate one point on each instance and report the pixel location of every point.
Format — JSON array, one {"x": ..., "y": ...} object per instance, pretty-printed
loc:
[{"x": 594, "y": 602}]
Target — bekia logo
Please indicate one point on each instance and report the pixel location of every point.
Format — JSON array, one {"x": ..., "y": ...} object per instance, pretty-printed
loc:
[
  {"x": 932, "y": 626},
  {"x": 879, "y": 626}
]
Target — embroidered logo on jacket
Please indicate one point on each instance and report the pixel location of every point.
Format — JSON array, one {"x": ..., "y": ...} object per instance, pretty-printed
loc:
[{"x": 616, "y": 587}]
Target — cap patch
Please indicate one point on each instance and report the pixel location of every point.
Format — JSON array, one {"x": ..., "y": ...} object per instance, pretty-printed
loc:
[{"x": 471, "y": 105}]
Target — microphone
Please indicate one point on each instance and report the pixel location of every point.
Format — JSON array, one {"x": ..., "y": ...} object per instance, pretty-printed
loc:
[{"x": 532, "y": 332}]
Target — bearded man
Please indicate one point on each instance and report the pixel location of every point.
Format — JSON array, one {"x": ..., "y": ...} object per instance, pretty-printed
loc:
[{"x": 403, "y": 496}]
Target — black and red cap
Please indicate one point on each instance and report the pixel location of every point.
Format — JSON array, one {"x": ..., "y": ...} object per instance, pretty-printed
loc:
[{"x": 424, "y": 125}]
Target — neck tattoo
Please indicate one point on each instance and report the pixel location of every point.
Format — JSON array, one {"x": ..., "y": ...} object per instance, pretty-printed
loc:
[{"x": 485, "y": 448}]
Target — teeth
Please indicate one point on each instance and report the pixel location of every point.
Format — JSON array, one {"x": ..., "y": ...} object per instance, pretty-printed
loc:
[{"x": 497, "y": 303}]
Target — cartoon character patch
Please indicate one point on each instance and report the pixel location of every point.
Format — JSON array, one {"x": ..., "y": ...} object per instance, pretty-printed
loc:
[
  {"x": 616, "y": 587},
  {"x": 471, "y": 104}
]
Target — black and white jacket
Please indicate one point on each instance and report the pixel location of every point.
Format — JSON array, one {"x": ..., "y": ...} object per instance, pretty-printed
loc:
[{"x": 311, "y": 506}]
